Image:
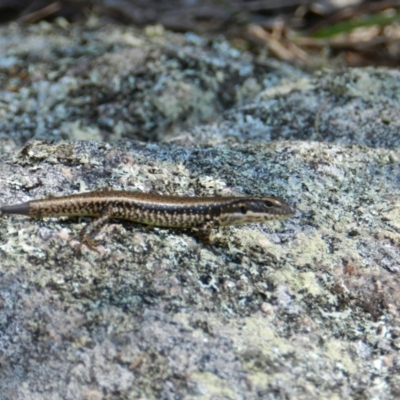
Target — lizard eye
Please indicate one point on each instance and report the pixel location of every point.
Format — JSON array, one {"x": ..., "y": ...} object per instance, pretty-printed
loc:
[
  {"x": 243, "y": 209},
  {"x": 268, "y": 203}
]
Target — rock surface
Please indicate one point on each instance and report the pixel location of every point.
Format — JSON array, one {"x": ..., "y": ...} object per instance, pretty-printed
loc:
[{"x": 306, "y": 308}]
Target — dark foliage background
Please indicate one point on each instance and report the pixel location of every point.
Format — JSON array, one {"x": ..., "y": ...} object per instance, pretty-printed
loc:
[{"x": 352, "y": 32}]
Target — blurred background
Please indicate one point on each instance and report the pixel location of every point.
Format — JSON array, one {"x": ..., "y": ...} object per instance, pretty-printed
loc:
[{"x": 307, "y": 33}]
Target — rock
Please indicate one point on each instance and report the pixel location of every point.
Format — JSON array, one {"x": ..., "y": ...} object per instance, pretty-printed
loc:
[{"x": 304, "y": 308}]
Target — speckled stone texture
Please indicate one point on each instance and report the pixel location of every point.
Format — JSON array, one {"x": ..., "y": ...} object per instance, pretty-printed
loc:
[{"x": 306, "y": 308}]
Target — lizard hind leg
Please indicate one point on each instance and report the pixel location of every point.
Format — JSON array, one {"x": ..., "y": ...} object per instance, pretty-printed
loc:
[{"x": 90, "y": 230}]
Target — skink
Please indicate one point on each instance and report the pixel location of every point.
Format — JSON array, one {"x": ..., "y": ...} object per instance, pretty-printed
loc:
[{"x": 200, "y": 213}]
